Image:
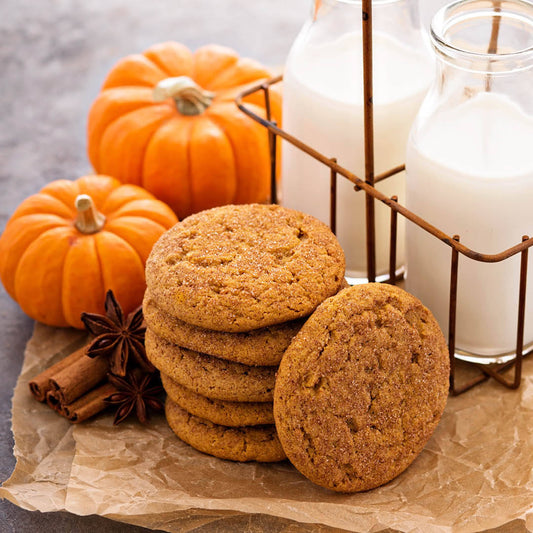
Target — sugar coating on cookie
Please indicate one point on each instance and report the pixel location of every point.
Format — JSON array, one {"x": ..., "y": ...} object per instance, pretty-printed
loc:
[
  {"x": 252, "y": 443},
  {"x": 243, "y": 267},
  {"x": 210, "y": 376},
  {"x": 259, "y": 347},
  {"x": 361, "y": 388},
  {"x": 233, "y": 414}
]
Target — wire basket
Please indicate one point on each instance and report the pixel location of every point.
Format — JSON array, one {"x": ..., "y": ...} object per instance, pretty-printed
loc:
[{"x": 483, "y": 372}]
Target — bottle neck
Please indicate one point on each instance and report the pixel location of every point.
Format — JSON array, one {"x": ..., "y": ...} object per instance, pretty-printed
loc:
[
  {"x": 327, "y": 55},
  {"x": 397, "y": 18},
  {"x": 477, "y": 118},
  {"x": 490, "y": 38}
]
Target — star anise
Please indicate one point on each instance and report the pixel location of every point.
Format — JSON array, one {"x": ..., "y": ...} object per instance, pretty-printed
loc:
[
  {"x": 117, "y": 337},
  {"x": 135, "y": 391}
]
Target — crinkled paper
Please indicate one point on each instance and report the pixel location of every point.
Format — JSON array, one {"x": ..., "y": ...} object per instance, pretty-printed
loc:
[{"x": 475, "y": 473}]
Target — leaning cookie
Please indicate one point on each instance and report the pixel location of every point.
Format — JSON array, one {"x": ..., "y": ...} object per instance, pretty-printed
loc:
[
  {"x": 257, "y": 443},
  {"x": 361, "y": 388},
  {"x": 210, "y": 376},
  {"x": 260, "y": 347},
  {"x": 233, "y": 414},
  {"x": 241, "y": 267}
]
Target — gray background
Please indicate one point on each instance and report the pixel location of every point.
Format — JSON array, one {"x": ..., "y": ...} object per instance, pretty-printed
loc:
[{"x": 54, "y": 54}]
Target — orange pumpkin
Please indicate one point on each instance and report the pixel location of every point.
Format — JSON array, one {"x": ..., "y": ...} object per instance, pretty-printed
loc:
[
  {"x": 166, "y": 120},
  {"x": 64, "y": 247}
]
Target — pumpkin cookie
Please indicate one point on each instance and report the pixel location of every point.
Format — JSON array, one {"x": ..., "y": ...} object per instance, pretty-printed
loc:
[
  {"x": 361, "y": 388},
  {"x": 242, "y": 267},
  {"x": 237, "y": 444},
  {"x": 262, "y": 347},
  {"x": 210, "y": 376},
  {"x": 217, "y": 411}
]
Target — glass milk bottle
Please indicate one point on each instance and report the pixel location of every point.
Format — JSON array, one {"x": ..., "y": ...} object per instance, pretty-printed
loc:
[
  {"x": 470, "y": 172},
  {"x": 323, "y": 107}
]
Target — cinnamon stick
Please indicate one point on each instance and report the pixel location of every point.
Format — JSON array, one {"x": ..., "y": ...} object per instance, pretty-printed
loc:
[
  {"x": 80, "y": 377},
  {"x": 40, "y": 385},
  {"x": 52, "y": 400},
  {"x": 89, "y": 404}
]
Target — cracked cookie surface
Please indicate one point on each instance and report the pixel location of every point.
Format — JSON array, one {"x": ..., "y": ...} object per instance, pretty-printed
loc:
[
  {"x": 251, "y": 443},
  {"x": 221, "y": 412},
  {"x": 242, "y": 267},
  {"x": 361, "y": 388},
  {"x": 210, "y": 376}
]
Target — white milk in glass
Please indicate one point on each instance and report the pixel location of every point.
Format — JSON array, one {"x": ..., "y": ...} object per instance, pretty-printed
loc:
[
  {"x": 470, "y": 173},
  {"x": 323, "y": 107}
]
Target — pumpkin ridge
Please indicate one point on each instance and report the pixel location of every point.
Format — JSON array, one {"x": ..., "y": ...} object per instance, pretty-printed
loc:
[
  {"x": 155, "y": 63},
  {"x": 82, "y": 248},
  {"x": 61, "y": 221},
  {"x": 145, "y": 208},
  {"x": 139, "y": 218},
  {"x": 63, "y": 271},
  {"x": 245, "y": 191},
  {"x": 63, "y": 276},
  {"x": 35, "y": 245},
  {"x": 213, "y": 156},
  {"x": 100, "y": 268},
  {"x": 7, "y": 260},
  {"x": 170, "y": 142},
  {"x": 71, "y": 208},
  {"x": 140, "y": 151},
  {"x": 100, "y": 264},
  {"x": 124, "y": 287},
  {"x": 245, "y": 71},
  {"x": 134, "y": 70},
  {"x": 104, "y": 131},
  {"x": 229, "y": 94},
  {"x": 167, "y": 57},
  {"x": 47, "y": 190},
  {"x": 114, "y": 102},
  {"x": 113, "y": 204},
  {"x": 135, "y": 226},
  {"x": 62, "y": 201},
  {"x": 31, "y": 206},
  {"x": 190, "y": 178},
  {"x": 212, "y": 117},
  {"x": 210, "y": 61},
  {"x": 98, "y": 188},
  {"x": 190, "y": 174},
  {"x": 159, "y": 65},
  {"x": 163, "y": 122}
]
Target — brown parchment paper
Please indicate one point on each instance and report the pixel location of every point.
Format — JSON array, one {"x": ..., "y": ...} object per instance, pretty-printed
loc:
[{"x": 476, "y": 472}]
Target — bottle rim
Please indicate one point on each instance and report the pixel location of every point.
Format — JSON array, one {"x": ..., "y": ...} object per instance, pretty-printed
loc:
[{"x": 502, "y": 12}]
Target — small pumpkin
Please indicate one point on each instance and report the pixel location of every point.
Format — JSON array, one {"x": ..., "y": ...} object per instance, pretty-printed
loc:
[
  {"x": 166, "y": 120},
  {"x": 64, "y": 247}
]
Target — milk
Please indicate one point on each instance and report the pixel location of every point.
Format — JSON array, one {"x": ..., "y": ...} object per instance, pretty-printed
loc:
[
  {"x": 471, "y": 174},
  {"x": 323, "y": 107}
]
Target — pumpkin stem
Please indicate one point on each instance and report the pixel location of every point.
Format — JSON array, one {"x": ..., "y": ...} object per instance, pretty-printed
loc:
[
  {"x": 89, "y": 219},
  {"x": 189, "y": 97}
]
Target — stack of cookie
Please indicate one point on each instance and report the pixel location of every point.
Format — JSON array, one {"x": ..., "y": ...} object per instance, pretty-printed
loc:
[{"x": 227, "y": 290}]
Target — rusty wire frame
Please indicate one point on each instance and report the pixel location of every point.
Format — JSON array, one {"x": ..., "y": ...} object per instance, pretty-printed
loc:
[{"x": 367, "y": 185}]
